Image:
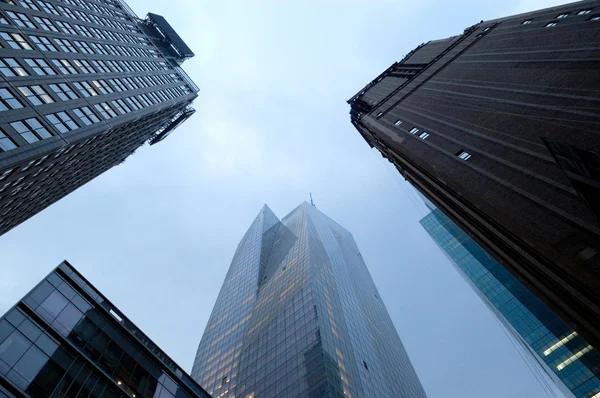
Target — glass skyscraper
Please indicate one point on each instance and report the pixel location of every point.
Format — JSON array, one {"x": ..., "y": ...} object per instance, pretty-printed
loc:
[
  {"x": 64, "y": 339},
  {"x": 566, "y": 357},
  {"x": 299, "y": 316}
]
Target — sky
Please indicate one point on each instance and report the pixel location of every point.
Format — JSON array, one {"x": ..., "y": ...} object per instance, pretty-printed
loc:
[{"x": 156, "y": 234}]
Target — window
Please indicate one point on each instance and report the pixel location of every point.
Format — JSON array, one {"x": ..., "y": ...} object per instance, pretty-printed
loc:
[
  {"x": 21, "y": 20},
  {"x": 29, "y": 4},
  {"x": 105, "y": 110},
  {"x": 43, "y": 43},
  {"x": 15, "y": 40},
  {"x": 464, "y": 155},
  {"x": 102, "y": 86},
  {"x": 31, "y": 130},
  {"x": 100, "y": 66},
  {"x": 121, "y": 106},
  {"x": 64, "y": 66},
  {"x": 83, "y": 47},
  {"x": 596, "y": 18},
  {"x": 526, "y": 22},
  {"x": 62, "y": 121},
  {"x": 40, "y": 66},
  {"x": 8, "y": 100},
  {"x": 66, "y": 45},
  {"x": 66, "y": 27},
  {"x": 46, "y": 24},
  {"x": 424, "y": 135},
  {"x": 48, "y": 8},
  {"x": 85, "y": 89},
  {"x": 583, "y": 12},
  {"x": 64, "y": 92},
  {"x": 6, "y": 144},
  {"x": 86, "y": 115},
  {"x": 84, "y": 65},
  {"x": 414, "y": 130},
  {"x": 551, "y": 24},
  {"x": 561, "y": 16},
  {"x": 10, "y": 67},
  {"x": 36, "y": 95},
  {"x": 398, "y": 122}
]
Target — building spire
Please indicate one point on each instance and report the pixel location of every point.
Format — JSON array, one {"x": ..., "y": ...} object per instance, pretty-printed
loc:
[{"x": 311, "y": 199}]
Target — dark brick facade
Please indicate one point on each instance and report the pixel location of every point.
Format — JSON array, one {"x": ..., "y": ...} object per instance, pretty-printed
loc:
[
  {"x": 498, "y": 126},
  {"x": 94, "y": 81}
]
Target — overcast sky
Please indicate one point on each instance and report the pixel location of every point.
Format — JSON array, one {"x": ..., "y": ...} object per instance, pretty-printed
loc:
[{"x": 157, "y": 233}]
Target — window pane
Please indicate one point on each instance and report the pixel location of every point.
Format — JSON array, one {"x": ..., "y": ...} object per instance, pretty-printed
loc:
[
  {"x": 13, "y": 348},
  {"x": 55, "y": 303},
  {"x": 30, "y": 364}
]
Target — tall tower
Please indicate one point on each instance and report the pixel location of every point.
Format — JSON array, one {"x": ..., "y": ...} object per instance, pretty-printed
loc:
[
  {"x": 83, "y": 84},
  {"x": 546, "y": 339},
  {"x": 498, "y": 127},
  {"x": 299, "y": 316}
]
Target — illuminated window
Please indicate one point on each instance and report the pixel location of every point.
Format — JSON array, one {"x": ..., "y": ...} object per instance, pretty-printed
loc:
[
  {"x": 398, "y": 122},
  {"x": 464, "y": 155},
  {"x": 551, "y": 24},
  {"x": 424, "y": 135},
  {"x": 414, "y": 130},
  {"x": 526, "y": 22}
]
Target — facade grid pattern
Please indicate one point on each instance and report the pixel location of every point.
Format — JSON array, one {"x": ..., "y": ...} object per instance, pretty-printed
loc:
[
  {"x": 299, "y": 316},
  {"x": 549, "y": 338},
  {"x": 98, "y": 81}
]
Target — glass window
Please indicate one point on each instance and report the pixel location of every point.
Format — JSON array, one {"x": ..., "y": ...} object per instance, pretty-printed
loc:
[
  {"x": 105, "y": 110},
  {"x": 424, "y": 135},
  {"x": 43, "y": 43},
  {"x": 29, "y": 329},
  {"x": 68, "y": 318},
  {"x": 86, "y": 115},
  {"x": 414, "y": 130},
  {"x": 66, "y": 45},
  {"x": 551, "y": 24},
  {"x": 85, "y": 89},
  {"x": 21, "y": 19},
  {"x": 15, "y": 41},
  {"x": 6, "y": 143},
  {"x": 31, "y": 130},
  {"x": 63, "y": 91},
  {"x": 36, "y": 95},
  {"x": 14, "y": 347},
  {"x": 8, "y": 101},
  {"x": 526, "y": 22},
  {"x": 54, "y": 303},
  {"x": 10, "y": 67},
  {"x": 583, "y": 12},
  {"x": 64, "y": 66},
  {"x": 46, "y": 24},
  {"x": 464, "y": 155},
  {"x": 62, "y": 121},
  {"x": 40, "y": 66},
  {"x": 31, "y": 363}
]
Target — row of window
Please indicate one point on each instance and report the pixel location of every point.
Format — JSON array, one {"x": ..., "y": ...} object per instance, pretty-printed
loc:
[
  {"x": 564, "y": 15},
  {"x": 49, "y": 8},
  {"x": 25, "y": 21},
  {"x": 77, "y": 14},
  {"x": 37, "y": 95},
  {"x": 462, "y": 154},
  {"x": 32, "y": 130},
  {"x": 10, "y": 67},
  {"x": 43, "y": 43}
]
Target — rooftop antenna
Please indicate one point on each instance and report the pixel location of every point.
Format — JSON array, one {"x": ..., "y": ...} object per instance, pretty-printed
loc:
[{"x": 311, "y": 200}]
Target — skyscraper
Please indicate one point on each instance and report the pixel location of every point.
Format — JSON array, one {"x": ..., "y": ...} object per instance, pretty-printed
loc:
[
  {"x": 553, "y": 345},
  {"x": 299, "y": 316},
  {"x": 498, "y": 127},
  {"x": 83, "y": 84},
  {"x": 64, "y": 339}
]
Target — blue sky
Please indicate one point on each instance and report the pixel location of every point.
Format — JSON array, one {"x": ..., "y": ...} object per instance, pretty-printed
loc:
[{"x": 156, "y": 234}]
